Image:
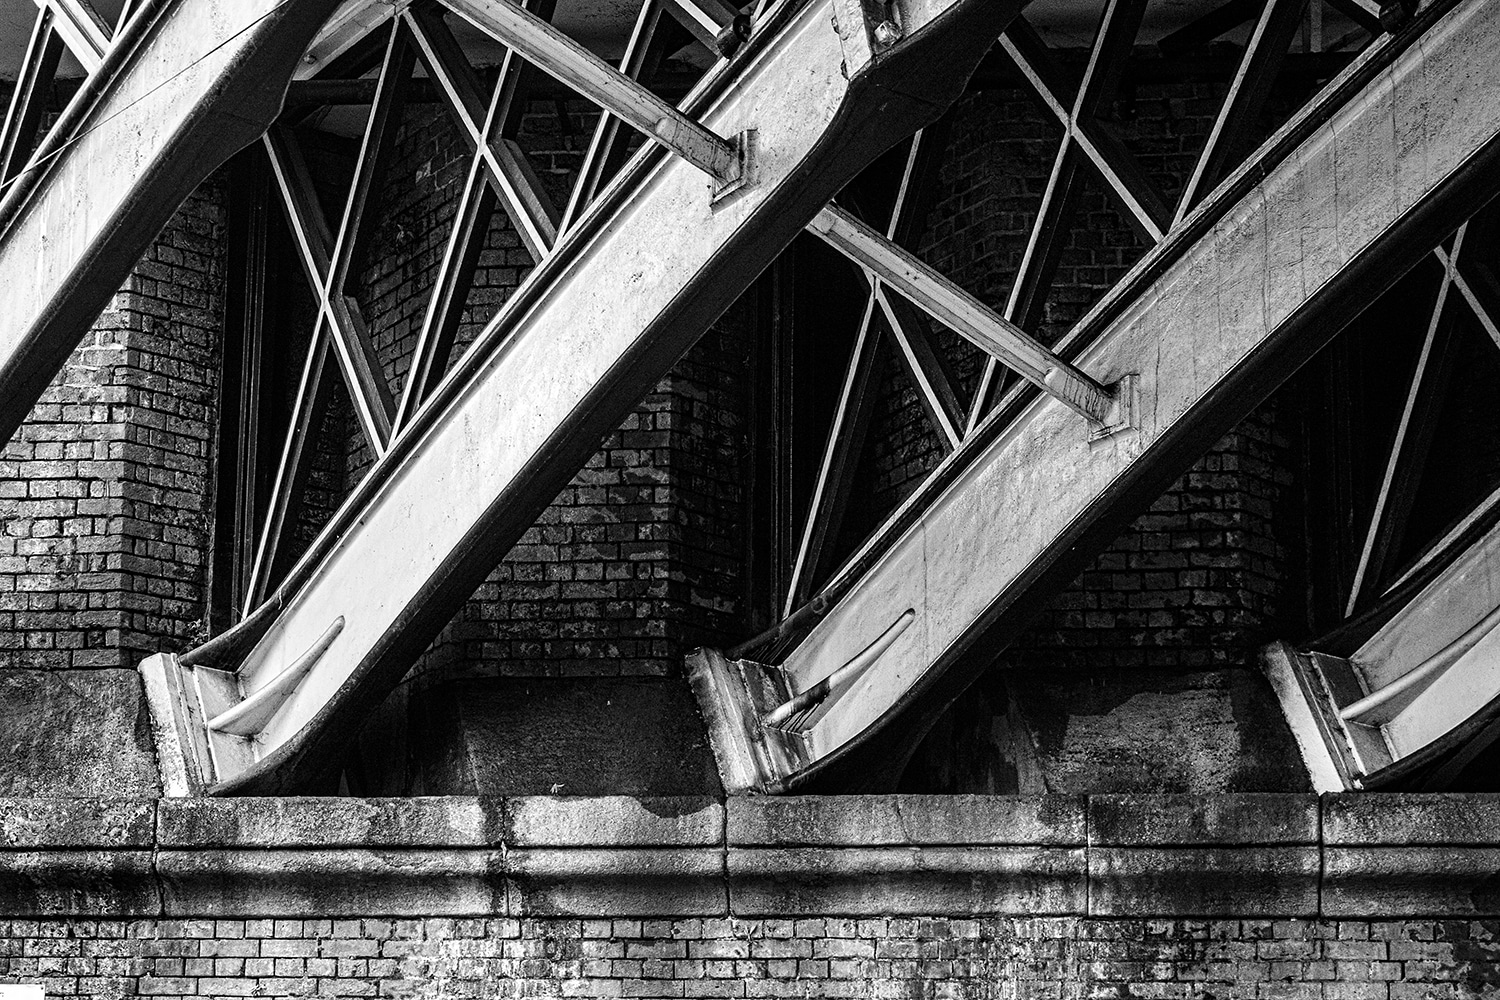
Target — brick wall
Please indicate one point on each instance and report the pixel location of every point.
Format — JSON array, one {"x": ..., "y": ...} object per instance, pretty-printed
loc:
[
  {"x": 1346, "y": 897},
  {"x": 106, "y": 501},
  {"x": 105, "y": 486},
  {"x": 904, "y": 957}
]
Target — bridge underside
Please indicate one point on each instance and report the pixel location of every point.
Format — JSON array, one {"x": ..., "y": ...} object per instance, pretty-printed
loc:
[{"x": 957, "y": 396}]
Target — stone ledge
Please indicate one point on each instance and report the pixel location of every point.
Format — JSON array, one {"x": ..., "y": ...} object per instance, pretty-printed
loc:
[
  {"x": 1399, "y": 820},
  {"x": 682, "y": 882},
  {"x": 329, "y": 822},
  {"x": 111, "y": 824},
  {"x": 1192, "y": 820},
  {"x": 614, "y": 821},
  {"x": 893, "y": 820},
  {"x": 448, "y": 821},
  {"x": 1192, "y": 856},
  {"x": 1204, "y": 882},
  {"x": 969, "y": 881},
  {"x": 78, "y": 884},
  {"x": 331, "y": 883},
  {"x": 1411, "y": 882}
]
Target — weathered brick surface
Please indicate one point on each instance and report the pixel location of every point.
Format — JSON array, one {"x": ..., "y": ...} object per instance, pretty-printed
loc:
[
  {"x": 104, "y": 489},
  {"x": 907, "y": 957}
]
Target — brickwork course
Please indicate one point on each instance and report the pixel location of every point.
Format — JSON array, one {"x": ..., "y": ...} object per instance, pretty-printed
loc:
[{"x": 865, "y": 958}]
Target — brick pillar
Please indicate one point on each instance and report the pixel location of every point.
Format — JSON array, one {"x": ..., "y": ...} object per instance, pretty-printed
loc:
[{"x": 105, "y": 501}]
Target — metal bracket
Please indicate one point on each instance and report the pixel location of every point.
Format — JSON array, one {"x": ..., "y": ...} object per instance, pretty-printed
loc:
[
  {"x": 1124, "y": 410},
  {"x": 745, "y": 148}
]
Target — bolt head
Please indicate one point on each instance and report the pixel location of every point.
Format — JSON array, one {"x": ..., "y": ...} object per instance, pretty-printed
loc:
[{"x": 887, "y": 33}]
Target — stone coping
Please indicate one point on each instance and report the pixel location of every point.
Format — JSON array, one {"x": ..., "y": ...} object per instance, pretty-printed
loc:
[{"x": 1232, "y": 855}]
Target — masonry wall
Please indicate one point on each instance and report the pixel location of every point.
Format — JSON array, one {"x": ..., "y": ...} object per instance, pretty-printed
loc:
[
  {"x": 636, "y": 561},
  {"x": 1263, "y": 896},
  {"x": 106, "y": 503},
  {"x": 104, "y": 490},
  {"x": 903, "y": 957}
]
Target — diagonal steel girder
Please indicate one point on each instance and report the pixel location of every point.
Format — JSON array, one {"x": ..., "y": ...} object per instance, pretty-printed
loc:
[
  {"x": 635, "y": 282},
  {"x": 188, "y": 84},
  {"x": 1358, "y": 188}
]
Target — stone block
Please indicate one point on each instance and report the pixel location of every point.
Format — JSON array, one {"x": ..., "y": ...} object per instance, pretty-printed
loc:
[
  {"x": 110, "y": 824},
  {"x": 331, "y": 883},
  {"x": 875, "y": 820},
  {"x": 907, "y": 881},
  {"x": 613, "y": 821},
  {"x": 1395, "y": 819},
  {"x": 56, "y": 884},
  {"x": 610, "y": 883},
  {"x": 331, "y": 822},
  {"x": 1187, "y": 820},
  {"x": 1410, "y": 882},
  {"x": 563, "y": 736},
  {"x": 1233, "y": 881},
  {"x": 74, "y": 733}
]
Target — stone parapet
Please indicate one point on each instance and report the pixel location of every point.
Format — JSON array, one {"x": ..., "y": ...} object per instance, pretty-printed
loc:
[{"x": 1248, "y": 856}]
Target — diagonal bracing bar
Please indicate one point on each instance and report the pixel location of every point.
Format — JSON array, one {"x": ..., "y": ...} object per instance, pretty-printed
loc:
[
  {"x": 529, "y": 208},
  {"x": 86, "y": 34},
  {"x": 318, "y": 254},
  {"x": 557, "y": 54},
  {"x": 28, "y": 102},
  {"x": 607, "y": 139},
  {"x": 963, "y": 314}
]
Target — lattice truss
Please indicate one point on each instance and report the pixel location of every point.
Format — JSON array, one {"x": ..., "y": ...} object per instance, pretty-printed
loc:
[{"x": 913, "y": 317}]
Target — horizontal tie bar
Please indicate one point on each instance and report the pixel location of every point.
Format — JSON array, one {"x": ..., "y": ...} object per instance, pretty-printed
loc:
[
  {"x": 557, "y": 54},
  {"x": 962, "y": 313}
]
